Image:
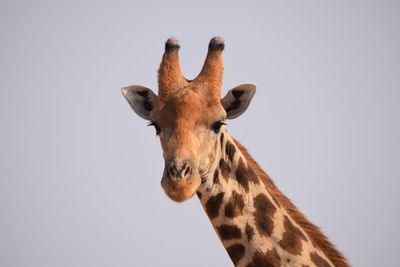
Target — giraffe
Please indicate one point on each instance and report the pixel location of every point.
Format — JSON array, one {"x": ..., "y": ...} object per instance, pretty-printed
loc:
[{"x": 256, "y": 223}]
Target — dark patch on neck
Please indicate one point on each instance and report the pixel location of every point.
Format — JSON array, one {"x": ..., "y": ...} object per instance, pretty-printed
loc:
[
  {"x": 315, "y": 235},
  {"x": 242, "y": 175},
  {"x": 268, "y": 259},
  {"x": 235, "y": 205},
  {"x": 253, "y": 175},
  {"x": 230, "y": 150},
  {"x": 263, "y": 215},
  {"x": 213, "y": 204},
  {"x": 249, "y": 232},
  {"x": 199, "y": 195},
  {"x": 225, "y": 169},
  {"x": 318, "y": 260},
  {"x": 236, "y": 252},
  {"x": 229, "y": 232},
  {"x": 221, "y": 141},
  {"x": 291, "y": 238},
  {"x": 216, "y": 177}
]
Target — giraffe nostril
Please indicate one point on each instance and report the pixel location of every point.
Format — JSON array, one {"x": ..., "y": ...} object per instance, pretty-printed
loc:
[
  {"x": 178, "y": 171},
  {"x": 171, "y": 171},
  {"x": 187, "y": 171}
]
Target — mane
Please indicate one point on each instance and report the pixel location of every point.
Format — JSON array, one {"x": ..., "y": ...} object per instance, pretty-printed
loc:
[{"x": 317, "y": 237}]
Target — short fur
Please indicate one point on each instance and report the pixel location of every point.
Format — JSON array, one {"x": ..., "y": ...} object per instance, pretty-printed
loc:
[
  {"x": 184, "y": 113},
  {"x": 318, "y": 238}
]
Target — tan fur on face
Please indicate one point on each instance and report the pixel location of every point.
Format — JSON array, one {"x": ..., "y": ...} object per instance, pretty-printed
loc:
[
  {"x": 185, "y": 118},
  {"x": 185, "y": 111}
]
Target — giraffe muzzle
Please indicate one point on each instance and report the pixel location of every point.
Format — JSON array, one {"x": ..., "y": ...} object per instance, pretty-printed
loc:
[
  {"x": 179, "y": 170},
  {"x": 180, "y": 180}
]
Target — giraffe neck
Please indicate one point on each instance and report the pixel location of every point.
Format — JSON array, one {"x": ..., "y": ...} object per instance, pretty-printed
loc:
[{"x": 254, "y": 227}]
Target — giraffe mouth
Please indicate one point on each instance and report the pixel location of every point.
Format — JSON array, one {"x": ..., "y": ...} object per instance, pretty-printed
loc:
[{"x": 181, "y": 189}]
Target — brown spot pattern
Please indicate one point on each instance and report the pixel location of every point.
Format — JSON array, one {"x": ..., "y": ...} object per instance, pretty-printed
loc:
[
  {"x": 291, "y": 239},
  {"x": 241, "y": 175},
  {"x": 263, "y": 215},
  {"x": 228, "y": 232},
  {"x": 221, "y": 141},
  {"x": 230, "y": 150},
  {"x": 317, "y": 237},
  {"x": 213, "y": 204},
  {"x": 318, "y": 260},
  {"x": 253, "y": 176},
  {"x": 249, "y": 232},
  {"x": 269, "y": 259},
  {"x": 225, "y": 169},
  {"x": 236, "y": 252},
  {"x": 199, "y": 194},
  {"x": 244, "y": 175},
  {"x": 216, "y": 177},
  {"x": 235, "y": 205}
]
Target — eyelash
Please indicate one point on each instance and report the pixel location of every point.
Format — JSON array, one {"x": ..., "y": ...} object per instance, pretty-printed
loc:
[
  {"x": 158, "y": 129},
  {"x": 216, "y": 126}
]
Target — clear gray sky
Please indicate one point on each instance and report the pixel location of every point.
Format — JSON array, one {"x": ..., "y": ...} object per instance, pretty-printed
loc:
[{"x": 80, "y": 173}]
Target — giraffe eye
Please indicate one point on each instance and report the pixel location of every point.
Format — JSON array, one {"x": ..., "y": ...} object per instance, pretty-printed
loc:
[
  {"x": 158, "y": 129},
  {"x": 216, "y": 126}
]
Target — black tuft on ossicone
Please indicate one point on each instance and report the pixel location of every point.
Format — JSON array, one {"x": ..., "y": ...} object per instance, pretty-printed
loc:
[
  {"x": 171, "y": 44},
  {"x": 216, "y": 43}
]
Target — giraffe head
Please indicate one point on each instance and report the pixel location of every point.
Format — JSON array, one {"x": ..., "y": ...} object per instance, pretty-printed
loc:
[{"x": 188, "y": 116}]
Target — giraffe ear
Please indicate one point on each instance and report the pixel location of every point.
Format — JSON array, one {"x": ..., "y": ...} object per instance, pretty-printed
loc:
[
  {"x": 238, "y": 99},
  {"x": 141, "y": 99}
]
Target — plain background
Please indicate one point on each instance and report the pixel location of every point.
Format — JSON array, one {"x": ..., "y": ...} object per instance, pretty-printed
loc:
[{"x": 80, "y": 172}]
